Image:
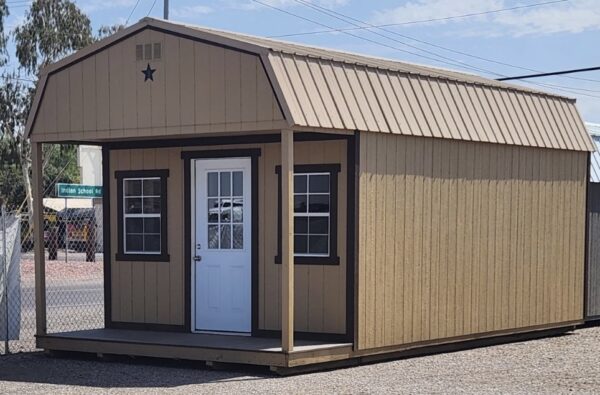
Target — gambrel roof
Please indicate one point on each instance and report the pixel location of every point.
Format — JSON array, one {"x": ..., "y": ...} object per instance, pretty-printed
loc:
[{"x": 326, "y": 90}]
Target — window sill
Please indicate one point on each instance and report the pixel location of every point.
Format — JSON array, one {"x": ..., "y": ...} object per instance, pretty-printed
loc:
[
  {"x": 142, "y": 257},
  {"x": 313, "y": 260}
]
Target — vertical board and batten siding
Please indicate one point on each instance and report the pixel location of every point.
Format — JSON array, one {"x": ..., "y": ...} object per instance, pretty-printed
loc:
[
  {"x": 197, "y": 88},
  {"x": 593, "y": 261},
  {"x": 153, "y": 292},
  {"x": 462, "y": 238}
]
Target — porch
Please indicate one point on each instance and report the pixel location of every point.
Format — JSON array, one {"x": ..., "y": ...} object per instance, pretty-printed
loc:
[{"x": 196, "y": 346}]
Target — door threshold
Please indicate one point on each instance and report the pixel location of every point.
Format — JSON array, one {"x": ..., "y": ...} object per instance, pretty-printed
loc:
[{"x": 225, "y": 333}]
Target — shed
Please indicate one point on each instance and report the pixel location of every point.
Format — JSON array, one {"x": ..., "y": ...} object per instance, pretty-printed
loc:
[
  {"x": 593, "y": 261},
  {"x": 315, "y": 205}
]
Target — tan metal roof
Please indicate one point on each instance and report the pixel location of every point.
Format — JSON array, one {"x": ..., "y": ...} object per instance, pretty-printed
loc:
[
  {"x": 326, "y": 89},
  {"x": 331, "y": 89}
]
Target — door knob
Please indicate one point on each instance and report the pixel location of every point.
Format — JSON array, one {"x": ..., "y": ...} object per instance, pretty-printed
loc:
[{"x": 197, "y": 258}]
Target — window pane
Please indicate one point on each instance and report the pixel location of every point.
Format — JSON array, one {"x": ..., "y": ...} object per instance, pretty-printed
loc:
[
  {"x": 318, "y": 244},
  {"x": 319, "y": 183},
  {"x": 133, "y": 225},
  {"x": 133, "y": 187},
  {"x": 238, "y": 236},
  {"x": 133, "y": 205},
  {"x": 238, "y": 183},
  {"x": 300, "y": 203},
  {"x": 300, "y": 244},
  {"x": 301, "y": 225},
  {"x": 225, "y": 183},
  {"x": 318, "y": 204},
  {"x": 213, "y": 184},
  {"x": 152, "y": 225},
  {"x": 152, "y": 205},
  {"x": 152, "y": 243},
  {"x": 238, "y": 210},
  {"x": 213, "y": 236},
  {"x": 318, "y": 225},
  {"x": 151, "y": 187},
  {"x": 300, "y": 184},
  {"x": 225, "y": 236},
  {"x": 213, "y": 210},
  {"x": 133, "y": 243},
  {"x": 225, "y": 210}
]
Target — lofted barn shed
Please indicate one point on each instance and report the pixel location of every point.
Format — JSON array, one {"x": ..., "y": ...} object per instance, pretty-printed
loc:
[{"x": 314, "y": 205}]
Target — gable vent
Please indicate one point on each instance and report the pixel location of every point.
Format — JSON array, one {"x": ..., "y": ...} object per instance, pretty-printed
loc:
[
  {"x": 139, "y": 52},
  {"x": 148, "y": 51},
  {"x": 157, "y": 50}
]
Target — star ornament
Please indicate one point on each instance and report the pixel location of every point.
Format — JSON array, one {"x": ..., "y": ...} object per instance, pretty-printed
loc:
[{"x": 148, "y": 73}]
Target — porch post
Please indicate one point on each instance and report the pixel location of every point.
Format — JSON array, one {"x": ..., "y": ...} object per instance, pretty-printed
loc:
[
  {"x": 38, "y": 238},
  {"x": 287, "y": 240}
]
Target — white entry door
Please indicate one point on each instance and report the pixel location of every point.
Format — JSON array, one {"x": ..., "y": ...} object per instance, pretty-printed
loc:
[{"x": 222, "y": 256}]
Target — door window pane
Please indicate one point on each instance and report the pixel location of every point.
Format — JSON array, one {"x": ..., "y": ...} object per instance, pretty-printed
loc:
[
  {"x": 225, "y": 236},
  {"x": 238, "y": 237},
  {"x": 213, "y": 210},
  {"x": 213, "y": 237},
  {"x": 238, "y": 210},
  {"x": 213, "y": 184},
  {"x": 238, "y": 183},
  {"x": 225, "y": 210},
  {"x": 225, "y": 183}
]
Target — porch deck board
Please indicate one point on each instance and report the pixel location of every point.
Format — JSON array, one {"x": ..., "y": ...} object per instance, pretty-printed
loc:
[{"x": 194, "y": 340}]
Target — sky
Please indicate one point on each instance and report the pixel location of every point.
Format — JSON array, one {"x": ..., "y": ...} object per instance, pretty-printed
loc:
[{"x": 529, "y": 37}]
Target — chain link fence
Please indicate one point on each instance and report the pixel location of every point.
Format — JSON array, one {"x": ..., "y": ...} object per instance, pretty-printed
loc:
[{"x": 74, "y": 272}]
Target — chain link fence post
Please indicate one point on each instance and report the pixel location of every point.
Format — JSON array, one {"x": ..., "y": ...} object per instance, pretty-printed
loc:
[{"x": 5, "y": 279}]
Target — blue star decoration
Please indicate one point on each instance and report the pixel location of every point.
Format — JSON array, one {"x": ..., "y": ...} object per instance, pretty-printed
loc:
[{"x": 148, "y": 73}]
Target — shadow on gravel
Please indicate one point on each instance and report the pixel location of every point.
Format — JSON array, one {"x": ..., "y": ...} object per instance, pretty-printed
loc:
[{"x": 118, "y": 372}]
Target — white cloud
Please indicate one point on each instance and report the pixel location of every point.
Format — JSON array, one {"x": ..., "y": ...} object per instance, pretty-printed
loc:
[
  {"x": 191, "y": 11},
  {"x": 565, "y": 17}
]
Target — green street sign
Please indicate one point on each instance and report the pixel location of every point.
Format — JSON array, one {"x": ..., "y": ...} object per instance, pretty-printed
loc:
[{"x": 78, "y": 190}]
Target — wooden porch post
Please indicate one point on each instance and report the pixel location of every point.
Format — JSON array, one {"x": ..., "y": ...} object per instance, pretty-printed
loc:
[
  {"x": 38, "y": 237},
  {"x": 287, "y": 240}
]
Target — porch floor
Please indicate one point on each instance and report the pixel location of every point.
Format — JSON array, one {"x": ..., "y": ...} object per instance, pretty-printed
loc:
[{"x": 197, "y": 346}]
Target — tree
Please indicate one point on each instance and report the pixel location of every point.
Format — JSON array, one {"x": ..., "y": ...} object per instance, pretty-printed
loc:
[
  {"x": 51, "y": 30},
  {"x": 3, "y": 37}
]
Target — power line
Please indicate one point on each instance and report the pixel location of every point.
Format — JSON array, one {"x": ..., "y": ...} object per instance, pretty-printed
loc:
[
  {"x": 345, "y": 18},
  {"x": 377, "y": 42},
  {"x": 333, "y": 30},
  {"x": 562, "y": 72},
  {"x": 151, "y": 8},
  {"x": 131, "y": 13},
  {"x": 371, "y": 26}
]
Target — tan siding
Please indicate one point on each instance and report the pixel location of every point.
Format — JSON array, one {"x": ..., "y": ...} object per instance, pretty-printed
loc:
[
  {"x": 153, "y": 292},
  {"x": 487, "y": 238},
  {"x": 197, "y": 88}
]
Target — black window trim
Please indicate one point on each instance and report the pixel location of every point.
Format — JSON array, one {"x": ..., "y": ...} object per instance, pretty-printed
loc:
[
  {"x": 333, "y": 169},
  {"x": 121, "y": 255}
]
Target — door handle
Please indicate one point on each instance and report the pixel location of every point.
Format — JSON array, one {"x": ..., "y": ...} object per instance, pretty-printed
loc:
[{"x": 197, "y": 258}]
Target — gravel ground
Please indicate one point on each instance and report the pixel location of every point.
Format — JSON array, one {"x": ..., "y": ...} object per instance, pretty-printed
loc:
[{"x": 568, "y": 363}]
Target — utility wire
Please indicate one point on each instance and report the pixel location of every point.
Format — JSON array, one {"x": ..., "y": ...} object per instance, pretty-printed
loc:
[
  {"x": 346, "y": 19},
  {"x": 371, "y": 26},
  {"x": 333, "y": 30},
  {"x": 131, "y": 13},
  {"x": 377, "y": 42},
  {"x": 562, "y": 72},
  {"x": 151, "y": 8}
]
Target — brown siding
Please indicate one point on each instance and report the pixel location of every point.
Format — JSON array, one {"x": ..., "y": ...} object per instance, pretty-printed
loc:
[
  {"x": 461, "y": 238},
  {"x": 153, "y": 292},
  {"x": 593, "y": 285},
  {"x": 197, "y": 88}
]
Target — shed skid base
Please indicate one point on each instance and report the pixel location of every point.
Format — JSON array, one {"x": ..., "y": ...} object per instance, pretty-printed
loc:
[{"x": 307, "y": 357}]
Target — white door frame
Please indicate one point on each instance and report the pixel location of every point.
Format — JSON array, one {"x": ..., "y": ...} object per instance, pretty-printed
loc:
[{"x": 250, "y": 241}]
